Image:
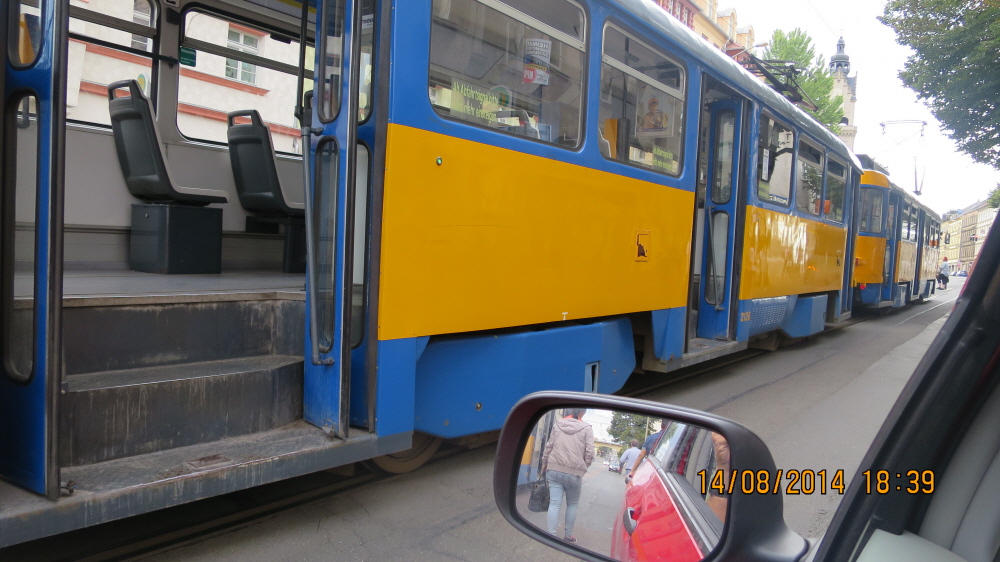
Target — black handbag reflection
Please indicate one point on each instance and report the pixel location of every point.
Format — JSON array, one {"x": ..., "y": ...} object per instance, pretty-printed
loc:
[{"x": 539, "y": 499}]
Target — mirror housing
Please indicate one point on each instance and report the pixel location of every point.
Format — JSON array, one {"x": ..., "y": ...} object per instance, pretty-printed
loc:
[{"x": 755, "y": 526}]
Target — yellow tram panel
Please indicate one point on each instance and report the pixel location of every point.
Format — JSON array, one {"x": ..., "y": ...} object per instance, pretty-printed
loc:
[
  {"x": 869, "y": 256},
  {"x": 788, "y": 255},
  {"x": 906, "y": 261},
  {"x": 929, "y": 262},
  {"x": 477, "y": 237}
]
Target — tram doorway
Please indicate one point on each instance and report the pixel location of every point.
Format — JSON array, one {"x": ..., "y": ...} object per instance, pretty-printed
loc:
[{"x": 720, "y": 195}]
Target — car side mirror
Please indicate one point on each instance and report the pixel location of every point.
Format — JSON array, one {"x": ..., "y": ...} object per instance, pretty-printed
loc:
[{"x": 686, "y": 501}]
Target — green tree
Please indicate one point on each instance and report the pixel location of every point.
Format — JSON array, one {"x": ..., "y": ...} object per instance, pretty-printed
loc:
[
  {"x": 954, "y": 66},
  {"x": 815, "y": 80},
  {"x": 994, "y": 198},
  {"x": 625, "y": 427}
]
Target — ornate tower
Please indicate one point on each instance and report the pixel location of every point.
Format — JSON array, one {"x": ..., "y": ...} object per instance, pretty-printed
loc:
[{"x": 847, "y": 86}]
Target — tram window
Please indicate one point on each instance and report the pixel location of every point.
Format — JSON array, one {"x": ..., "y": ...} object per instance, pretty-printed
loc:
[
  {"x": 836, "y": 190},
  {"x": 228, "y": 80},
  {"x": 642, "y": 104},
  {"x": 722, "y": 178},
  {"x": 774, "y": 167},
  {"x": 325, "y": 209},
  {"x": 492, "y": 65},
  {"x": 809, "y": 180},
  {"x": 333, "y": 43},
  {"x": 17, "y": 253},
  {"x": 871, "y": 210},
  {"x": 360, "y": 245},
  {"x": 905, "y": 234},
  {"x": 91, "y": 66},
  {"x": 24, "y": 45}
]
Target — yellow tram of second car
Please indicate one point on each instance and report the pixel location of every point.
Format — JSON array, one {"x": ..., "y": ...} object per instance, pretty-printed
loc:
[{"x": 897, "y": 245}]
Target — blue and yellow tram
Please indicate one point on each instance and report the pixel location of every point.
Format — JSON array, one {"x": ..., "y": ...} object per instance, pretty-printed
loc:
[
  {"x": 488, "y": 198},
  {"x": 897, "y": 245}
]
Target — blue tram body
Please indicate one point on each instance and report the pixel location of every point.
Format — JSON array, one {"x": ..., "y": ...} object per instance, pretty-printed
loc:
[{"x": 490, "y": 210}]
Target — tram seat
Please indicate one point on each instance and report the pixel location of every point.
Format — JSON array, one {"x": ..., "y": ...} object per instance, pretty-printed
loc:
[
  {"x": 255, "y": 171},
  {"x": 173, "y": 230},
  {"x": 140, "y": 153}
]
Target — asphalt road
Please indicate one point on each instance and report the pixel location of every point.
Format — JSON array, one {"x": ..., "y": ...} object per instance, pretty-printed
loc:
[{"x": 817, "y": 404}]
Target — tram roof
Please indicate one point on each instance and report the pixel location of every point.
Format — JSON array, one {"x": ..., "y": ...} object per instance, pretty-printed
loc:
[{"x": 658, "y": 18}]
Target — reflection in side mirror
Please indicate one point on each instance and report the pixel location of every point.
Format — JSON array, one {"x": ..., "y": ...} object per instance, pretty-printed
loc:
[{"x": 624, "y": 485}]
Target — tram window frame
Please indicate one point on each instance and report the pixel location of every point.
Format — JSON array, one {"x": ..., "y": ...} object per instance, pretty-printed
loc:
[
  {"x": 517, "y": 122},
  {"x": 766, "y": 152},
  {"x": 256, "y": 58},
  {"x": 832, "y": 216},
  {"x": 669, "y": 164},
  {"x": 867, "y": 211},
  {"x": 125, "y": 47},
  {"x": 805, "y": 150}
]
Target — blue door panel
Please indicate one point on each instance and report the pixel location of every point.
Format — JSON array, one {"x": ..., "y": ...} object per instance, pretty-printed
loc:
[
  {"x": 27, "y": 405},
  {"x": 716, "y": 287}
]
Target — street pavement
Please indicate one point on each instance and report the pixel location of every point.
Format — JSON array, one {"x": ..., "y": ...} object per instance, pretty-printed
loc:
[{"x": 816, "y": 404}]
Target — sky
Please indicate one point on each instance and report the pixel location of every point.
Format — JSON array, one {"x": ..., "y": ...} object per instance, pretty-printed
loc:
[{"x": 951, "y": 180}]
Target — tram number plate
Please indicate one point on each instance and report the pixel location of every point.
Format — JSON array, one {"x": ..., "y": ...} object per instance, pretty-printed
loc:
[{"x": 744, "y": 317}]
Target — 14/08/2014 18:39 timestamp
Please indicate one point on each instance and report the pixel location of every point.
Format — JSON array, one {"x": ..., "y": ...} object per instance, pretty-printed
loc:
[{"x": 812, "y": 481}]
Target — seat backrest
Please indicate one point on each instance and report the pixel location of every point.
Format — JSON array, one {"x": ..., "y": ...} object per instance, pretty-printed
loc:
[
  {"x": 251, "y": 153},
  {"x": 138, "y": 145}
]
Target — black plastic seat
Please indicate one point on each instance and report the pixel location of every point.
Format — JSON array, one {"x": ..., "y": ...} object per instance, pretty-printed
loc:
[
  {"x": 252, "y": 155},
  {"x": 140, "y": 153}
]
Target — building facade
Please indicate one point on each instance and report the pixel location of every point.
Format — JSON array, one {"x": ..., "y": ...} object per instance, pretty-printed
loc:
[
  {"x": 718, "y": 27},
  {"x": 951, "y": 233},
  {"x": 976, "y": 221},
  {"x": 846, "y": 86}
]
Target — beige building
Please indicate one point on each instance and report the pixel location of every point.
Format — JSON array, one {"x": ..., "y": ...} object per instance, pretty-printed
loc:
[
  {"x": 951, "y": 236},
  {"x": 975, "y": 222},
  {"x": 718, "y": 27},
  {"x": 846, "y": 86}
]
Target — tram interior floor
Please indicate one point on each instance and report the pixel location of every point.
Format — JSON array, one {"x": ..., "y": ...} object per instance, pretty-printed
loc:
[{"x": 122, "y": 283}]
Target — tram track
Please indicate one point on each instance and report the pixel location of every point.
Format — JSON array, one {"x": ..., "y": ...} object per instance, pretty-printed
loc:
[{"x": 139, "y": 537}]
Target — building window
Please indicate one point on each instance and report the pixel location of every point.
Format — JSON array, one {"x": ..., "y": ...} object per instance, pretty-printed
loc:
[
  {"x": 142, "y": 14},
  {"x": 239, "y": 70}
]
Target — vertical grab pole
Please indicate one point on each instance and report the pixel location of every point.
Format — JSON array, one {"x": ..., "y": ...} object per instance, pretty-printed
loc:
[{"x": 303, "y": 111}]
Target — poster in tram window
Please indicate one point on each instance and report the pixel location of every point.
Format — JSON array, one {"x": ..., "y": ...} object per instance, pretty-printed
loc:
[{"x": 537, "y": 55}]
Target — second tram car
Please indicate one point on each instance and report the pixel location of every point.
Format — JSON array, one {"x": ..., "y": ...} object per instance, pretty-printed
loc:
[{"x": 488, "y": 198}]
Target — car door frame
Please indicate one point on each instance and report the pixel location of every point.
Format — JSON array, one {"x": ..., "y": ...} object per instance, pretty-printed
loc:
[{"x": 923, "y": 430}]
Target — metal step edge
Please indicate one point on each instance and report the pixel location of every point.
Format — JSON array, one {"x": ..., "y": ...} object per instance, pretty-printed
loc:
[
  {"x": 129, "y": 486},
  {"x": 85, "y": 382}
]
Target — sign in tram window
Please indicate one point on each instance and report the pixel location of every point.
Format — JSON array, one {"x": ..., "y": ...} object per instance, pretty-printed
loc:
[
  {"x": 871, "y": 210},
  {"x": 515, "y": 67},
  {"x": 641, "y": 115},
  {"x": 809, "y": 180},
  {"x": 774, "y": 167},
  {"x": 836, "y": 190}
]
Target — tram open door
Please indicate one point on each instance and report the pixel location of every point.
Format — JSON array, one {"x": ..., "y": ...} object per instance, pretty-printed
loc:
[
  {"x": 714, "y": 263},
  {"x": 32, "y": 144}
]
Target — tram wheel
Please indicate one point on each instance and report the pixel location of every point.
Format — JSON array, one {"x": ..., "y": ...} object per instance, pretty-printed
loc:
[{"x": 424, "y": 447}]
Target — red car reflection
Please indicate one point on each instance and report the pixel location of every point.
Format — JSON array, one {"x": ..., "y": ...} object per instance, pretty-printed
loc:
[{"x": 664, "y": 515}]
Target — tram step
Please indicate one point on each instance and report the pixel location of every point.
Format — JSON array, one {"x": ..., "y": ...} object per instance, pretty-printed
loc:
[
  {"x": 115, "y": 414},
  {"x": 131, "y": 333}
]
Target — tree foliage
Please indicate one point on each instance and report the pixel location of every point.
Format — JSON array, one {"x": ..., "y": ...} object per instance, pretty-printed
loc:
[
  {"x": 815, "y": 80},
  {"x": 994, "y": 198},
  {"x": 626, "y": 427},
  {"x": 954, "y": 66}
]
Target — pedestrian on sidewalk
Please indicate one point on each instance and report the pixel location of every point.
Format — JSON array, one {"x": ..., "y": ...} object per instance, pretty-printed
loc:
[
  {"x": 567, "y": 456},
  {"x": 942, "y": 276},
  {"x": 629, "y": 456}
]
